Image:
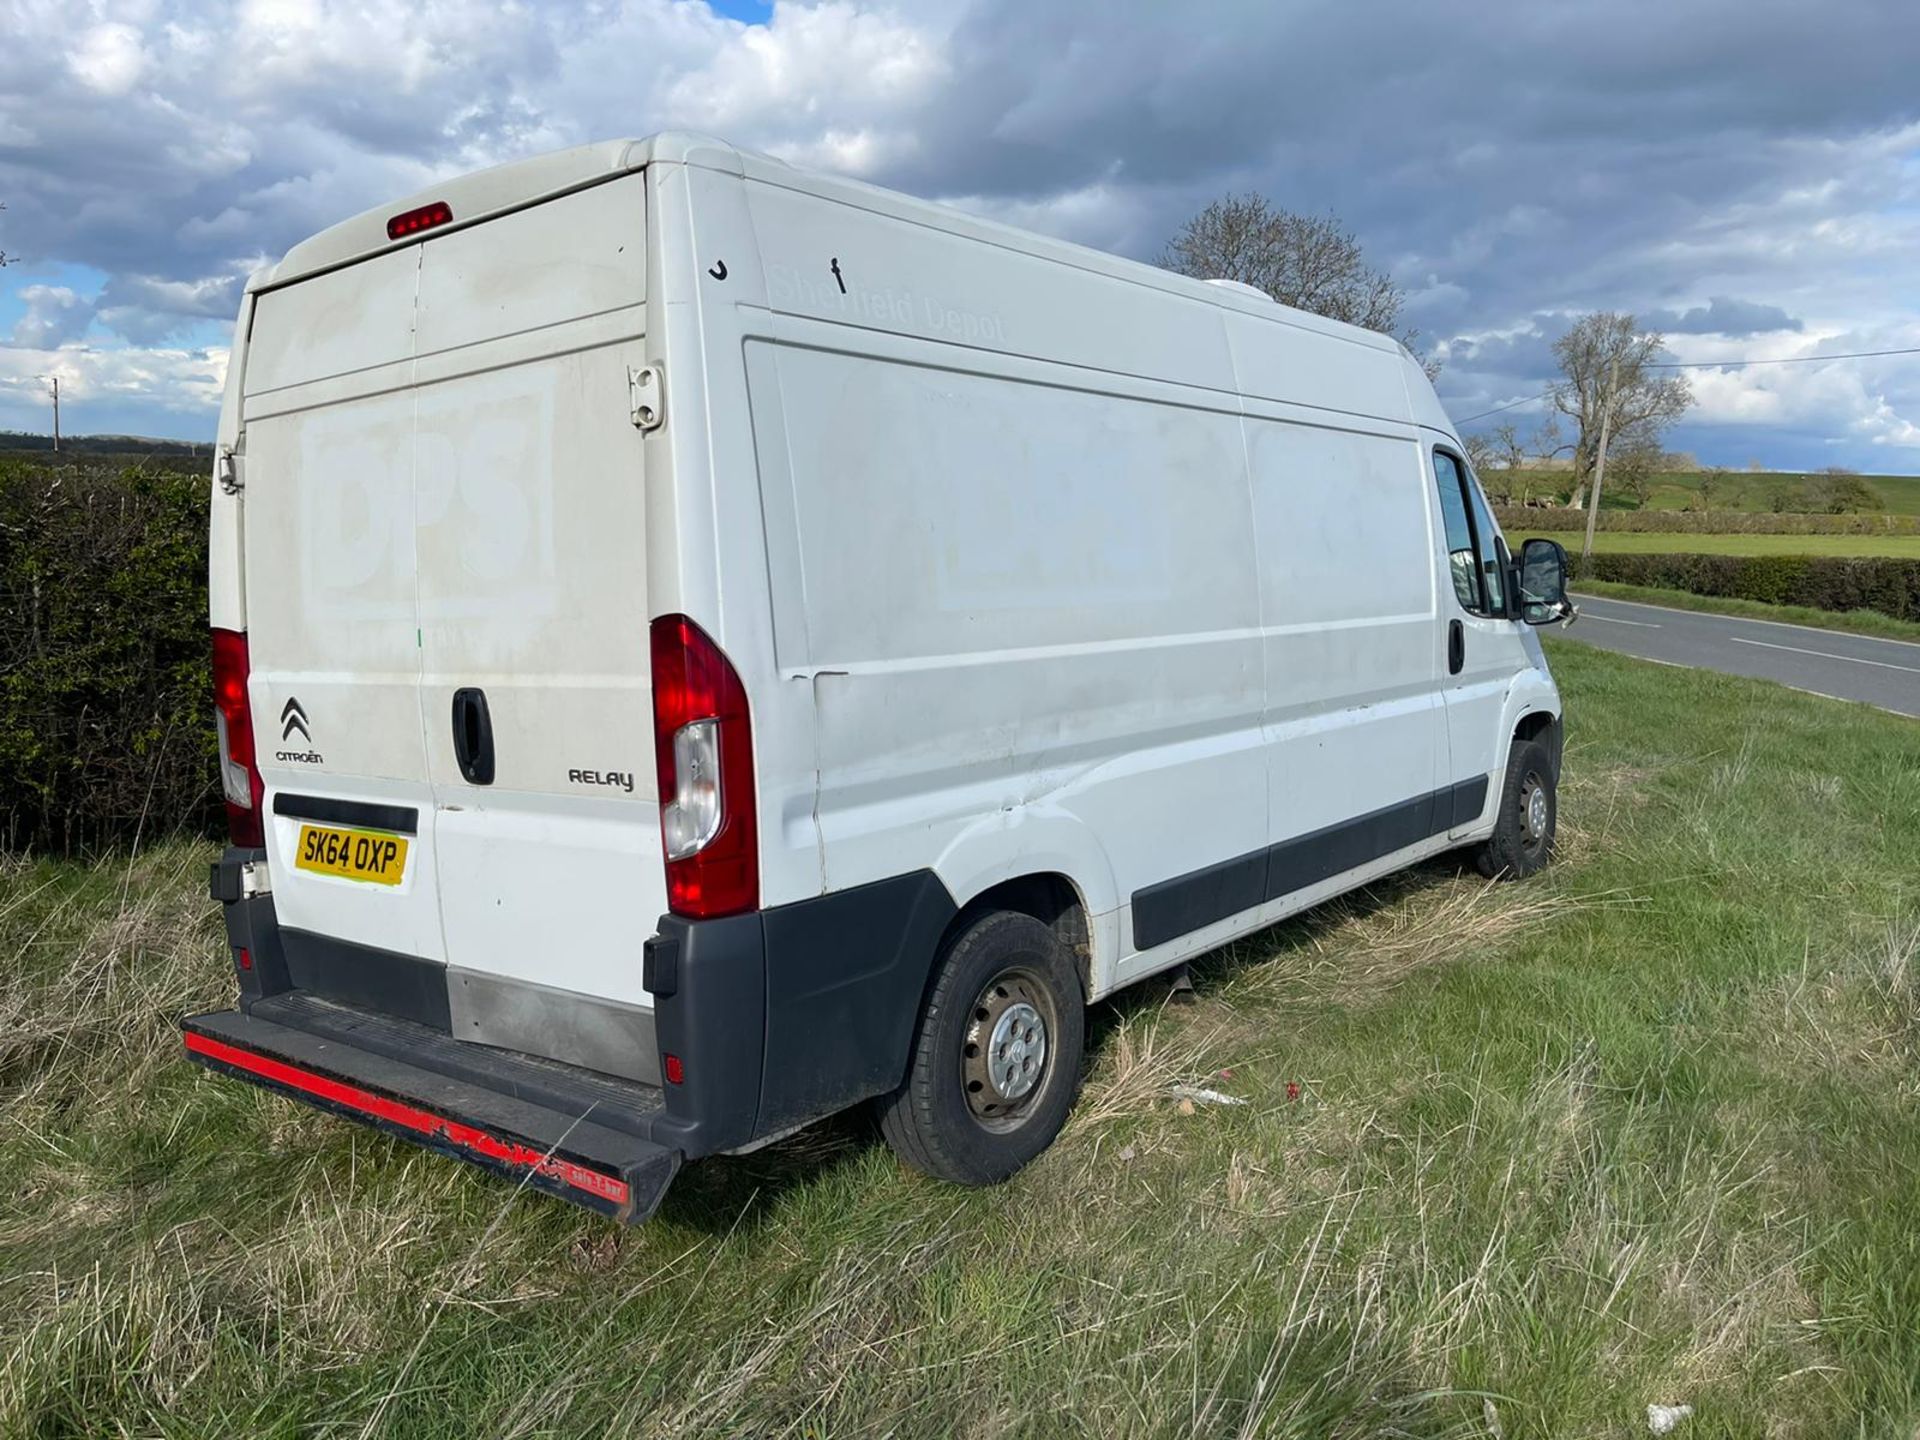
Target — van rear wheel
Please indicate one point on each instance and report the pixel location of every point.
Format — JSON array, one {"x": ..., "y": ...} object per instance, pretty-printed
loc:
[
  {"x": 1523, "y": 828},
  {"x": 996, "y": 1061}
]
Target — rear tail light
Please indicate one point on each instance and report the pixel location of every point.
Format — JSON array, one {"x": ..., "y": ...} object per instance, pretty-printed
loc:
[
  {"x": 240, "y": 779},
  {"x": 703, "y": 758}
]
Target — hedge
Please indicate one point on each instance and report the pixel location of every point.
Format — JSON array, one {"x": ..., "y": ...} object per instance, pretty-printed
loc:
[
  {"x": 106, "y": 726},
  {"x": 1891, "y": 587},
  {"x": 1554, "y": 519}
]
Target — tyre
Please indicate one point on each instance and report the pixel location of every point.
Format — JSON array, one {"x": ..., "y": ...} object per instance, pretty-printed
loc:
[
  {"x": 1522, "y": 839},
  {"x": 995, "y": 1064}
]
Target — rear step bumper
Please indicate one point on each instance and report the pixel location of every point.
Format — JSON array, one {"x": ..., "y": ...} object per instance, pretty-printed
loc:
[{"x": 570, "y": 1133}]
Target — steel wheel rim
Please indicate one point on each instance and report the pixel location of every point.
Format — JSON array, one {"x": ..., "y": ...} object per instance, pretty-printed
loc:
[
  {"x": 1007, "y": 1052},
  {"x": 1534, "y": 811}
]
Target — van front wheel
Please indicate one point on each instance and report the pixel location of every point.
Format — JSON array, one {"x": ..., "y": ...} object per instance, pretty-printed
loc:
[
  {"x": 1523, "y": 828},
  {"x": 996, "y": 1061}
]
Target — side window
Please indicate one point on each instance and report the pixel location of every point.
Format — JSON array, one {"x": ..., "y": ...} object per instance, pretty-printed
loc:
[
  {"x": 1460, "y": 553},
  {"x": 1473, "y": 552},
  {"x": 1492, "y": 550}
]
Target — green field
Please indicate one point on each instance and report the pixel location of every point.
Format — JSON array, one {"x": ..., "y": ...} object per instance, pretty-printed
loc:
[
  {"x": 1736, "y": 490},
  {"x": 1758, "y": 490},
  {"x": 1645, "y": 1129},
  {"x": 1624, "y": 542}
]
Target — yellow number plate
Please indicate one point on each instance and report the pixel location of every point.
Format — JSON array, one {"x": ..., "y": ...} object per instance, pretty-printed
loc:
[{"x": 370, "y": 855}]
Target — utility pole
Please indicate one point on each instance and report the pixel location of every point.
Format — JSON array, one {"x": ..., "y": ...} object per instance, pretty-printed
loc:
[
  {"x": 54, "y": 380},
  {"x": 1600, "y": 460}
]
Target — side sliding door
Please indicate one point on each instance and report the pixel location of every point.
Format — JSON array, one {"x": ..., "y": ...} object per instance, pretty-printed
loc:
[{"x": 1355, "y": 727}]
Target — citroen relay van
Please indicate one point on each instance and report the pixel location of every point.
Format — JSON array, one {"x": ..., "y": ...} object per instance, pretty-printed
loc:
[{"x": 699, "y": 645}]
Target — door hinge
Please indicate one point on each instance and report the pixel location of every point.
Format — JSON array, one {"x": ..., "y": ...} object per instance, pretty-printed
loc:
[
  {"x": 646, "y": 394},
  {"x": 227, "y": 470}
]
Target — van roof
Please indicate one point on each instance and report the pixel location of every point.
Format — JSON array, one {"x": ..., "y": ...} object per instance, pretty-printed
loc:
[
  {"x": 517, "y": 184},
  {"x": 487, "y": 193}
]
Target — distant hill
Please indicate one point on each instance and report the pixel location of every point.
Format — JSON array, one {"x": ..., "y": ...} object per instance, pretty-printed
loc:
[
  {"x": 12, "y": 441},
  {"x": 1751, "y": 491}
]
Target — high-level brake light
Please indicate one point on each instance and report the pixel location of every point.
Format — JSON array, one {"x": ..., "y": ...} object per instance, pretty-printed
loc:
[{"x": 412, "y": 222}]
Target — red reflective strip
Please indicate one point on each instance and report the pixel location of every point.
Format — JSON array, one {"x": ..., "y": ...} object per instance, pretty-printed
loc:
[{"x": 424, "y": 1122}]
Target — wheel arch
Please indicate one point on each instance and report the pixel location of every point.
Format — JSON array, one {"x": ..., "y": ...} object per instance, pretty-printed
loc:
[
  {"x": 1049, "y": 897},
  {"x": 1543, "y": 726},
  {"x": 1043, "y": 862},
  {"x": 1533, "y": 712}
]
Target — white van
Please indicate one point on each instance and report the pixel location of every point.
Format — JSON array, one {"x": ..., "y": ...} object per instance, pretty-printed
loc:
[{"x": 700, "y": 644}]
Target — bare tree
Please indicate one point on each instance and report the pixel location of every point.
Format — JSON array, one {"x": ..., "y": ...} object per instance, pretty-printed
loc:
[
  {"x": 1497, "y": 457},
  {"x": 1505, "y": 445},
  {"x": 1712, "y": 484},
  {"x": 1608, "y": 363},
  {"x": 1632, "y": 464},
  {"x": 1307, "y": 261},
  {"x": 1520, "y": 456}
]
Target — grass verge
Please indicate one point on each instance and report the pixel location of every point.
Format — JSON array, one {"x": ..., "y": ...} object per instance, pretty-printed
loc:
[
  {"x": 1515, "y": 1160},
  {"x": 1858, "y": 622}
]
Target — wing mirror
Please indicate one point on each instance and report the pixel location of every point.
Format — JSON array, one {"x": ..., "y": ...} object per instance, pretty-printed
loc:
[{"x": 1541, "y": 583}]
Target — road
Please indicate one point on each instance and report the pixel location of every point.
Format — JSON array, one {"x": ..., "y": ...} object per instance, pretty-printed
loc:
[{"x": 1885, "y": 673}]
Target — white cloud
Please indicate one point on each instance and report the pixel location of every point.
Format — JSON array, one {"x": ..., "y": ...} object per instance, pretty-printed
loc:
[
  {"x": 112, "y": 383},
  {"x": 109, "y": 58},
  {"x": 1873, "y": 401},
  {"x": 54, "y": 315},
  {"x": 821, "y": 67}
]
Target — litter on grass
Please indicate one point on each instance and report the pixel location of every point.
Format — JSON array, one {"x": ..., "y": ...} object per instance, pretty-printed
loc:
[
  {"x": 1662, "y": 1418},
  {"x": 1199, "y": 1095}
]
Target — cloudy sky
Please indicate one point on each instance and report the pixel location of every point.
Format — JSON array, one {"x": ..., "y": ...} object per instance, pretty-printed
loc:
[{"x": 1743, "y": 173}]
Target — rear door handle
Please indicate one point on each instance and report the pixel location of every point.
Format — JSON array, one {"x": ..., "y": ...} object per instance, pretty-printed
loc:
[
  {"x": 1456, "y": 648},
  {"x": 473, "y": 736}
]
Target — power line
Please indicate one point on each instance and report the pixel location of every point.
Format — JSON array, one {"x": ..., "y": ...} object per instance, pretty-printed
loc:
[
  {"x": 1705, "y": 365},
  {"x": 1781, "y": 360},
  {"x": 1511, "y": 404}
]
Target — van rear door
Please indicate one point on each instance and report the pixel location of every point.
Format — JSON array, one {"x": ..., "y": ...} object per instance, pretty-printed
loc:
[
  {"x": 531, "y": 552},
  {"x": 446, "y": 565},
  {"x": 331, "y": 619}
]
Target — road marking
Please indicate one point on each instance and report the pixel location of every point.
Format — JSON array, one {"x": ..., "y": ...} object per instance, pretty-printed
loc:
[
  {"x": 1825, "y": 654},
  {"x": 1616, "y": 620},
  {"x": 1742, "y": 620}
]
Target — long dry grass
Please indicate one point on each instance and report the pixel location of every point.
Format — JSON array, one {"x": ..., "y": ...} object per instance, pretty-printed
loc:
[{"x": 1513, "y": 1160}]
